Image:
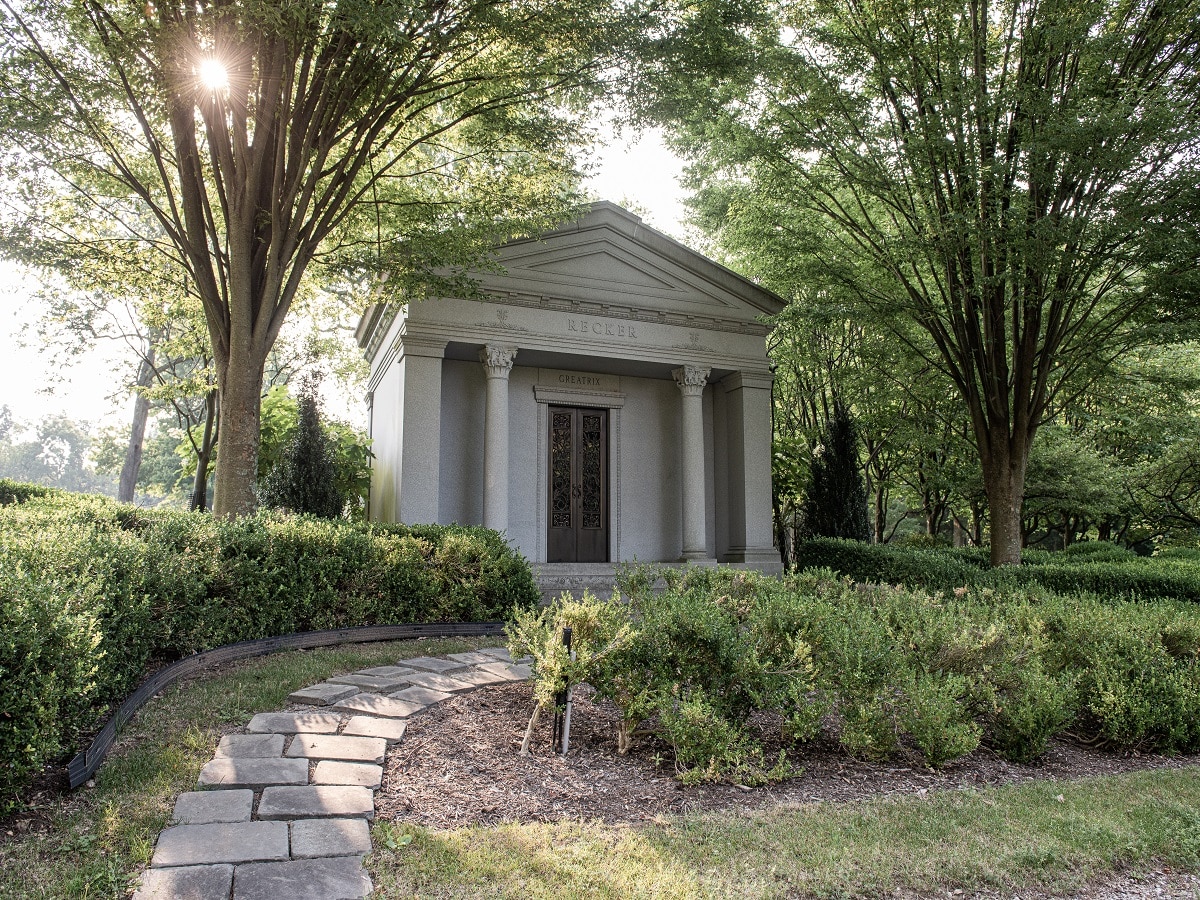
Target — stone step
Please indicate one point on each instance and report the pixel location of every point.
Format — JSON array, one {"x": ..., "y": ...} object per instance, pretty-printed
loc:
[{"x": 554, "y": 579}]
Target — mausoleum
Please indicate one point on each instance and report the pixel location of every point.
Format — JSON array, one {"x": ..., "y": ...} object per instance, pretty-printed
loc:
[{"x": 608, "y": 398}]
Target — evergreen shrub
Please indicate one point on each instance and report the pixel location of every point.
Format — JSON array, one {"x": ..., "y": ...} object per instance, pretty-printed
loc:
[
  {"x": 305, "y": 478},
  {"x": 19, "y": 491},
  {"x": 93, "y": 593},
  {"x": 881, "y": 670},
  {"x": 835, "y": 499},
  {"x": 1095, "y": 568}
]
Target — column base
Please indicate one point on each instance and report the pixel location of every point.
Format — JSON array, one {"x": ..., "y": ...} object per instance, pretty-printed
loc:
[
  {"x": 698, "y": 559},
  {"x": 762, "y": 559}
]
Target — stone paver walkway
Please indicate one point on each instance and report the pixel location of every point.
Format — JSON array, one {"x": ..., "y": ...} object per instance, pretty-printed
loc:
[{"x": 282, "y": 812}]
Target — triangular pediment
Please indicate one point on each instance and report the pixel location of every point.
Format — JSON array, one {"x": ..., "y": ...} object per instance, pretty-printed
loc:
[
  {"x": 604, "y": 266},
  {"x": 609, "y": 257}
]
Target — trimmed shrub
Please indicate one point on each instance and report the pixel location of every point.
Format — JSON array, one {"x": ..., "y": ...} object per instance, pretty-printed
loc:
[
  {"x": 18, "y": 491},
  {"x": 1104, "y": 570},
  {"x": 882, "y": 670},
  {"x": 48, "y": 668},
  {"x": 95, "y": 593}
]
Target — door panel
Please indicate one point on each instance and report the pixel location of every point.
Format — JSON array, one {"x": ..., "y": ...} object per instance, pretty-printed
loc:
[{"x": 578, "y": 525}]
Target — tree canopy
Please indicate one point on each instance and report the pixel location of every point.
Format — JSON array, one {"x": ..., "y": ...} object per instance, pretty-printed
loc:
[
  {"x": 244, "y": 142},
  {"x": 1013, "y": 185}
]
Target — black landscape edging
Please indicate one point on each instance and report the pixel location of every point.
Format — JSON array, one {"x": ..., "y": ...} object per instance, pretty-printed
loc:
[{"x": 85, "y": 764}]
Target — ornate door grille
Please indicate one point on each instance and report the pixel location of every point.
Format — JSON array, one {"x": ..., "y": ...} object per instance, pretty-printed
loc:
[{"x": 578, "y": 485}]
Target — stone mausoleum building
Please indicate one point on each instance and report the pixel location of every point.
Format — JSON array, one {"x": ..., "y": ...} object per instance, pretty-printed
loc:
[{"x": 609, "y": 398}]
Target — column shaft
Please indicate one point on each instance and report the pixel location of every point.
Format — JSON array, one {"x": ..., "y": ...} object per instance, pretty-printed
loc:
[
  {"x": 497, "y": 362},
  {"x": 419, "y": 479},
  {"x": 749, "y": 459},
  {"x": 691, "y": 381}
]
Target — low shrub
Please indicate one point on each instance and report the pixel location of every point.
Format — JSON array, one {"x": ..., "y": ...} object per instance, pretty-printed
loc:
[
  {"x": 19, "y": 491},
  {"x": 882, "y": 670},
  {"x": 95, "y": 592},
  {"x": 1093, "y": 567},
  {"x": 48, "y": 668}
]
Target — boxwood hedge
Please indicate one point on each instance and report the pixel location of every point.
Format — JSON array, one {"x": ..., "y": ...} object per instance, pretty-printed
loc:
[
  {"x": 93, "y": 593},
  {"x": 718, "y": 655},
  {"x": 1102, "y": 569}
]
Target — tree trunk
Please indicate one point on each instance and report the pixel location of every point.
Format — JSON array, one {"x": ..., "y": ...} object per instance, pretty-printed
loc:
[
  {"x": 199, "y": 501},
  {"x": 781, "y": 533},
  {"x": 137, "y": 432},
  {"x": 880, "y": 512},
  {"x": 237, "y": 442},
  {"x": 1004, "y": 481}
]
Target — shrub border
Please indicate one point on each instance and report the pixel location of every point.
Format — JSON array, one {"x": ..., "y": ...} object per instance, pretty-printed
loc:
[{"x": 85, "y": 764}]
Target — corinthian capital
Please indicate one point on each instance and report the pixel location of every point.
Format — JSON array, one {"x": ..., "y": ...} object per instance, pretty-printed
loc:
[
  {"x": 691, "y": 379},
  {"x": 497, "y": 360}
]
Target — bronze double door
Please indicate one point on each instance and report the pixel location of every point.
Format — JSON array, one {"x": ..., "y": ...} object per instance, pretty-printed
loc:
[{"x": 578, "y": 529}]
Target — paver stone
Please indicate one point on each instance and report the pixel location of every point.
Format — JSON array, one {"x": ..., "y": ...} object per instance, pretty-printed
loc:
[
  {"x": 330, "y": 837},
  {"x": 391, "y": 730},
  {"x": 376, "y": 684},
  {"x": 434, "y": 664},
  {"x": 251, "y": 745},
  {"x": 476, "y": 676},
  {"x": 207, "y": 807},
  {"x": 256, "y": 774},
  {"x": 290, "y": 723},
  {"x": 197, "y": 845},
  {"x": 342, "y": 878},
  {"x": 507, "y": 671},
  {"x": 501, "y": 653},
  {"x": 322, "y": 694},
  {"x": 362, "y": 774},
  {"x": 386, "y": 671},
  {"x": 424, "y": 696},
  {"x": 375, "y": 705},
  {"x": 472, "y": 658},
  {"x": 186, "y": 883},
  {"x": 448, "y": 684},
  {"x": 320, "y": 801},
  {"x": 337, "y": 746}
]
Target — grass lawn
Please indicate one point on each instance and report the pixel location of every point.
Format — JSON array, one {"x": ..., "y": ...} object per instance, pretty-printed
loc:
[
  {"x": 1052, "y": 836},
  {"x": 96, "y": 840},
  {"x": 100, "y": 838}
]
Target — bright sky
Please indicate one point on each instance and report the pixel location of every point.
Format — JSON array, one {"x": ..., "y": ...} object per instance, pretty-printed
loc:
[{"x": 638, "y": 173}]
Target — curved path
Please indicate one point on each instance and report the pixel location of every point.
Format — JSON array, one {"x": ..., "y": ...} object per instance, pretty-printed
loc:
[{"x": 282, "y": 811}]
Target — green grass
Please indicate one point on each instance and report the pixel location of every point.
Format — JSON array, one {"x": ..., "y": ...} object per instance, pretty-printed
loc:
[
  {"x": 1013, "y": 839},
  {"x": 100, "y": 838},
  {"x": 1009, "y": 838}
]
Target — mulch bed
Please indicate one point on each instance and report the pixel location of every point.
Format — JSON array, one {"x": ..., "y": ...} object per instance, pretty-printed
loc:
[{"x": 459, "y": 765}]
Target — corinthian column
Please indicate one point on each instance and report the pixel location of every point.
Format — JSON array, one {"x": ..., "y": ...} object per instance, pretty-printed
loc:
[
  {"x": 497, "y": 363},
  {"x": 691, "y": 381}
]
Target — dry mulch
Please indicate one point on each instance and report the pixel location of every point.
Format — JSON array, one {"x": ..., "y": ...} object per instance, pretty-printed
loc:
[{"x": 459, "y": 765}]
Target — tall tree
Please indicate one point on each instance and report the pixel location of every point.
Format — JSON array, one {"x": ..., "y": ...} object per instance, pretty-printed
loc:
[
  {"x": 262, "y": 136},
  {"x": 1025, "y": 174}
]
